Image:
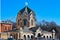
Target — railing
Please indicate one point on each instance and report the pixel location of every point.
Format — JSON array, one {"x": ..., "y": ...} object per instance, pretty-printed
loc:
[
  {"x": 32, "y": 39},
  {"x": 40, "y": 39}
]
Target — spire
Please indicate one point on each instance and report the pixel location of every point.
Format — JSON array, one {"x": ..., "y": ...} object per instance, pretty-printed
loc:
[
  {"x": 26, "y": 9},
  {"x": 26, "y": 4}
]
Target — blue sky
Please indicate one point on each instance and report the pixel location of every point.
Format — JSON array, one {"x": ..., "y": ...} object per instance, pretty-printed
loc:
[{"x": 48, "y": 10}]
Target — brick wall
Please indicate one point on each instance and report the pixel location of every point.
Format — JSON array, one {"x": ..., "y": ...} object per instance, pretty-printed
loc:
[{"x": 5, "y": 27}]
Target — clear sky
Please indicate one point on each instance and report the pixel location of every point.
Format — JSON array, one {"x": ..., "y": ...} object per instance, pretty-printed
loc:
[{"x": 48, "y": 10}]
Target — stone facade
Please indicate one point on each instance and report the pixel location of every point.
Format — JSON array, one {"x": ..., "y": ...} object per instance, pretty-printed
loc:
[
  {"x": 25, "y": 32},
  {"x": 26, "y": 22},
  {"x": 44, "y": 34},
  {"x": 26, "y": 17}
]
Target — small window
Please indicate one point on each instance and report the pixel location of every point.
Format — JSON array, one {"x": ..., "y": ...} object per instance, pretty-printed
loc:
[
  {"x": 5, "y": 28},
  {"x": 31, "y": 22},
  {"x": 8, "y": 28},
  {"x": 18, "y": 22},
  {"x": 25, "y": 21}
]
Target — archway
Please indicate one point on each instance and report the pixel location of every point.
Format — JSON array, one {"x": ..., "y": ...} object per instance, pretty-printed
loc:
[
  {"x": 47, "y": 37},
  {"x": 14, "y": 36},
  {"x": 50, "y": 37},
  {"x": 28, "y": 37},
  {"x": 39, "y": 35},
  {"x": 43, "y": 36},
  {"x": 11, "y": 35},
  {"x": 32, "y": 37},
  {"x": 24, "y": 37}
]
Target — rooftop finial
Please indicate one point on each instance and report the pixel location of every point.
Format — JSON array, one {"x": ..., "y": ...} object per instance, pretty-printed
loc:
[{"x": 26, "y": 3}]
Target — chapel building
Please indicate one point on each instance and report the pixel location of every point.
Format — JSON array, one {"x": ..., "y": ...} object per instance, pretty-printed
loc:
[{"x": 26, "y": 17}]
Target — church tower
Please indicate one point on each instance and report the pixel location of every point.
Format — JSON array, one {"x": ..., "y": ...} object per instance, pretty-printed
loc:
[{"x": 26, "y": 17}]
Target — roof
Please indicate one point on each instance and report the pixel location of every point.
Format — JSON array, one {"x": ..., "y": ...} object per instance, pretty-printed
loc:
[
  {"x": 46, "y": 32},
  {"x": 26, "y": 8},
  {"x": 26, "y": 29},
  {"x": 34, "y": 29},
  {"x": 7, "y": 22}
]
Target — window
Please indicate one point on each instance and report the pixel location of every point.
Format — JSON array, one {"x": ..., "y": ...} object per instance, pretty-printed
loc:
[
  {"x": 25, "y": 22},
  {"x": 8, "y": 28},
  {"x": 18, "y": 22},
  {"x": 31, "y": 22},
  {"x": 5, "y": 28}
]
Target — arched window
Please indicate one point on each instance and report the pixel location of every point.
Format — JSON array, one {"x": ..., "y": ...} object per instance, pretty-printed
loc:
[
  {"x": 18, "y": 22},
  {"x": 25, "y": 22},
  {"x": 31, "y": 22}
]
